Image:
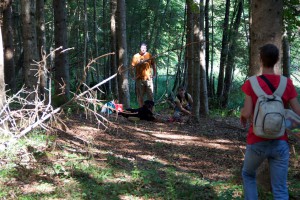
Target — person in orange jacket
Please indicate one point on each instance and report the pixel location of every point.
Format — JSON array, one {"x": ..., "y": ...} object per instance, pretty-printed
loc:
[{"x": 145, "y": 70}]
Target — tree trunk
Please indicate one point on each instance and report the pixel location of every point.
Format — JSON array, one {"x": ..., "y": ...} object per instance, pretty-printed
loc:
[
  {"x": 207, "y": 43},
  {"x": 113, "y": 45},
  {"x": 96, "y": 39},
  {"x": 41, "y": 44},
  {"x": 85, "y": 44},
  {"x": 204, "y": 111},
  {"x": 62, "y": 84},
  {"x": 196, "y": 71},
  {"x": 106, "y": 63},
  {"x": 9, "y": 64},
  {"x": 224, "y": 51},
  {"x": 122, "y": 51},
  {"x": 2, "y": 83},
  {"x": 211, "y": 78},
  {"x": 263, "y": 32},
  {"x": 189, "y": 47},
  {"x": 28, "y": 13},
  {"x": 286, "y": 57},
  {"x": 231, "y": 56}
]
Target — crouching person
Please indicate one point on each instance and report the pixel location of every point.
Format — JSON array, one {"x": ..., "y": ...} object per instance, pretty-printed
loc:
[{"x": 183, "y": 104}]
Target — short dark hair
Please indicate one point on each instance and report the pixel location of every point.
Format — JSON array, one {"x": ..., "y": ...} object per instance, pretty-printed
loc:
[
  {"x": 143, "y": 44},
  {"x": 269, "y": 55},
  {"x": 181, "y": 88}
]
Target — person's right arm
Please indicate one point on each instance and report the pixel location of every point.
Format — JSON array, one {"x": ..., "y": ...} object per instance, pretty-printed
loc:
[{"x": 246, "y": 111}]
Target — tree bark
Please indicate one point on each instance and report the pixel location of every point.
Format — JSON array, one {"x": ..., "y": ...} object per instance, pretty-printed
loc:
[
  {"x": 263, "y": 32},
  {"x": 122, "y": 51},
  {"x": 189, "y": 47},
  {"x": 196, "y": 71},
  {"x": 96, "y": 39},
  {"x": 41, "y": 44},
  {"x": 211, "y": 77},
  {"x": 62, "y": 84},
  {"x": 9, "y": 64},
  {"x": 113, "y": 45},
  {"x": 286, "y": 57},
  {"x": 2, "y": 83},
  {"x": 231, "y": 56},
  {"x": 224, "y": 51},
  {"x": 28, "y": 13},
  {"x": 204, "y": 111},
  {"x": 207, "y": 43}
]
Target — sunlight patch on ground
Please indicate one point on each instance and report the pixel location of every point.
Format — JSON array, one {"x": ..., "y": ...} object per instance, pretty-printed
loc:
[
  {"x": 85, "y": 128},
  {"x": 153, "y": 158},
  {"x": 130, "y": 197},
  {"x": 175, "y": 137},
  {"x": 191, "y": 140},
  {"x": 40, "y": 188}
]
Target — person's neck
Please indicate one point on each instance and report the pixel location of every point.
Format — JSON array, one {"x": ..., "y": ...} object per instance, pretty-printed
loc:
[
  {"x": 268, "y": 70},
  {"x": 141, "y": 53}
]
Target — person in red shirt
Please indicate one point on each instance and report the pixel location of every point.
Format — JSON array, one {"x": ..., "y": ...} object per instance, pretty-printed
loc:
[
  {"x": 145, "y": 69},
  {"x": 258, "y": 149}
]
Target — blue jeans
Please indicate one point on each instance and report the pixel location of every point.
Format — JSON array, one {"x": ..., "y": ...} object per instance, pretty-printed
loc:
[{"x": 277, "y": 153}]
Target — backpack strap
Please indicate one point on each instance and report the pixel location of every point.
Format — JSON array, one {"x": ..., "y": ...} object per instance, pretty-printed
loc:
[
  {"x": 281, "y": 87},
  {"x": 256, "y": 87},
  {"x": 259, "y": 92},
  {"x": 272, "y": 88}
]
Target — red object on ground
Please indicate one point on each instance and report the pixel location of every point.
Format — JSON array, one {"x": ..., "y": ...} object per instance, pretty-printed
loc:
[{"x": 119, "y": 107}]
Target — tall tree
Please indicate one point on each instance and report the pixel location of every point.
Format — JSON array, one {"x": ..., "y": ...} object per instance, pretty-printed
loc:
[
  {"x": 113, "y": 44},
  {"x": 286, "y": 59},
  {"x": 41, "y": 42},
  {"x": 196, "y": 56},
  {"x": 203, "y": 80},
  {"x": 2, "y": 83},
  {"x": 207, "y": 43},
  {"x": 124, "y": 94},
  {"x": 62, "y": 84},
  {"x": 95, "y": 26},
  {"x": 9, "y": 64},
  {"x": 189, "y": 46},
  {"x": 224, "y": 50},
  {"x": 211, "y": 77},
  {"x": 231, "y": 55},
  {"x": 266, "y": 27},
  {"x": 261, "y": 33},
  {"x": 85, "y": 42},
  {"x": 28, "y": 12}
]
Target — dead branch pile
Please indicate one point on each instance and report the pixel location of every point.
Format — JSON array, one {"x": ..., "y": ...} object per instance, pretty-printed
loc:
[{"x": 27, "y": 110}]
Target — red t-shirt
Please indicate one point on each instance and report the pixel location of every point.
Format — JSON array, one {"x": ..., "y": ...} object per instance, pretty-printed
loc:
[{"x": 289, "y": 93}]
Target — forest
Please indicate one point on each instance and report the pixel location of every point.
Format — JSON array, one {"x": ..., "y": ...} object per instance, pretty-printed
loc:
[{"x": 62, "y": 60}]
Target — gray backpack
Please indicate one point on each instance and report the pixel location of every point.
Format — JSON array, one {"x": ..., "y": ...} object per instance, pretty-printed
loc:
[{"x": 269, "y": 113}]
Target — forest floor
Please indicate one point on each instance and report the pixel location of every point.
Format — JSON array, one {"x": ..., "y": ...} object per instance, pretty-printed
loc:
[
  {"x": 137, "y": 160},
  {"x": 213, "y": 148}
]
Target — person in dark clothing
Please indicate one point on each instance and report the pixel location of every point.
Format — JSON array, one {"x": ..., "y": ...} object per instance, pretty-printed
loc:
[{"x": 143, "y": 113}]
